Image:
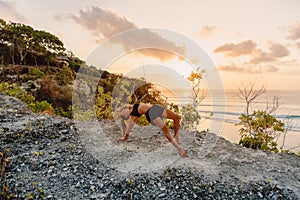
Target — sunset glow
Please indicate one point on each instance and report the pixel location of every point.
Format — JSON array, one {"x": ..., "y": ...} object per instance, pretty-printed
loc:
[{"x": 246, "y": 41}]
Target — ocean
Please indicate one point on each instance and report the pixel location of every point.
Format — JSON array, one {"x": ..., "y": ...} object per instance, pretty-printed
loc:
[{"x": 225, "y": 113}]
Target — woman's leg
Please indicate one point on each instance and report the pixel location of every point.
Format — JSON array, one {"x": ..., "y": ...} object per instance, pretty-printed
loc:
[
  {"x": 176, "y": 118},
  {"x": 161, "y": 124}
]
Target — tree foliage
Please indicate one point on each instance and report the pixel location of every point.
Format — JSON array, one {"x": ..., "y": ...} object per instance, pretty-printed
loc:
[
  {"x": 190, "y": 116},
  {"x": 22, "y": 47},
  {"x": 21, "y": 44},
  {"x": 195, "y": 79},
  {"x": 15, "y": 91},
  {"x": 259, "y": 130}
]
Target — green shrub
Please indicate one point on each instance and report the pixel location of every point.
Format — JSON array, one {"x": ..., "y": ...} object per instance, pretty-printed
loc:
[
  {"x": 82, "y": 115},
  {"x": 64, "y": 113},
  {"x": 15, "y": 91},
  {"x": 170, "y": 123},
  {"x": 190, "y": 118},
  {"x": 64, "y": 76},
  {"x": 103, "y": 108},
  {"x": 35, "y": 106},
  {"x": 259, "y": 131},
  {"x": 142, "y": 121},
  {"x": 39, "y": 107},
  {"x": 36, "y": 72}
]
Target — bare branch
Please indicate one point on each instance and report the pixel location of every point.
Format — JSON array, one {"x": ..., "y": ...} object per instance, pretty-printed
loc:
[
  {"x": 275, "y": 104},
  {"x": 248, "y": 93}
]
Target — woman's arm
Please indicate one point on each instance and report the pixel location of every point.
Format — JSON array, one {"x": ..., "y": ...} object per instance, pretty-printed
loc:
[
  {"x": 133, "y": 119},
  {"x": 124, "y": 126}
]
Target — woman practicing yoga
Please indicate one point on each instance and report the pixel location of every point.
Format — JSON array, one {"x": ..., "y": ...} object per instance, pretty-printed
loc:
[{"x": 155, "y": 115}]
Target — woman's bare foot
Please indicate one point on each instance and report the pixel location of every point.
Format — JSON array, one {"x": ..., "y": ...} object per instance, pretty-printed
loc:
[{"x": 183, "y": 154}]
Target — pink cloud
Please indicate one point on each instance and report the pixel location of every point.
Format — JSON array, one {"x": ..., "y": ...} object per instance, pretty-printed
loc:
[
  {"x": 207, "y": 31},
  {"x": 104, "y": 23},
  {"x": 236, "y": 50},
  {"x": 294, "y": 31},
  {"x": 248, "y": 68}
]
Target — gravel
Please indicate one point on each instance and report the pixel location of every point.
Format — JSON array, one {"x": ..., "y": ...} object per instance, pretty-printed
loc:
[{"x": 48, "y": 159}]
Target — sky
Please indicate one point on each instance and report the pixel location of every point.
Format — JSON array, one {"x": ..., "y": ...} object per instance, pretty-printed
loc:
[{"x": 241, "y": 41}]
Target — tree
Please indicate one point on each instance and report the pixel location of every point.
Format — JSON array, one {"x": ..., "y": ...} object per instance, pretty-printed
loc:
[
  {"x": 195, "y": 79},
  {"x": 260, "y": 128},
  {"x": 20, "y": 37},
  {"x": 21, "y": 40},
  {"x": 249, "y": 93},
  {"x": 190, "y": 115},
  {"x": 6, "y": 47}
]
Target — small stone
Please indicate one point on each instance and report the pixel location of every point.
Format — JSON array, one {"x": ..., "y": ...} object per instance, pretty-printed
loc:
[
  {"x": 161, "y": 195},
  {"x": 78, "y": 185},
  {"x": 92, "y": 188}
]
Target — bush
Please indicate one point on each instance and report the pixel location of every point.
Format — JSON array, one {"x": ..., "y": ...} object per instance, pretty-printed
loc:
[
  {"x": 36, "y": 72},
  {"x": 65, "y": 76},
  {"x": 170, "y": 123},
  {"x": 35, "y": 106},
  {"x": 58, "y": 96},
  {"x": 259, "y": 131},
  {"x": 190, "y": 117},
  {"x": 15, "y": 91},
  {"x": 39, "y": 107},
  {"x": 142, "y": 121},
  {"x": 103, "y": 108},
  {"x": 64, "y": 113}
]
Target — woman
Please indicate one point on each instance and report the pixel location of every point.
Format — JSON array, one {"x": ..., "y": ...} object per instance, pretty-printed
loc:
[{"x": 155, "y": 115}]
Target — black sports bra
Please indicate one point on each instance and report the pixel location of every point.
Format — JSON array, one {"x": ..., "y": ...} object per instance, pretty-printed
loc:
[{"x": 135, "y": 111}]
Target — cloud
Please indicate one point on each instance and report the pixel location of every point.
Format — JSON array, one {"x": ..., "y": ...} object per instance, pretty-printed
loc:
[
  {"x": 294, "y": 31},
  {"x": 236, "y": 50},
  {"x": 60, "y": 17},
  {"x": 231, "y": 68},
  {"x": 8, "y": 10},
  {"x": 276, "y": 51},
  {"x": 260, "y": 56},
  {"x": 271, "y": 68},
  {"x": 207, "y": 31},
  {"x": 104, "y": 23},
  {"x": 249, "y": 68},
  {"x": 258, "y": 61},
  {"x": 255, "y": 60}
]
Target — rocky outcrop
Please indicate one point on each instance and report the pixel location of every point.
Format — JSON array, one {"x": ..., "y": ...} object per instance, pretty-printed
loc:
[{"x": 56, "y": 158}]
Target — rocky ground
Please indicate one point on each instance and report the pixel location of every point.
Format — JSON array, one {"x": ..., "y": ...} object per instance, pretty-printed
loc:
[{"x": 56, "y": 158}]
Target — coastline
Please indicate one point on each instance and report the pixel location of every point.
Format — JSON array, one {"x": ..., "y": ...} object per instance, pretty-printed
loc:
[{"x": 230, "y": 132}]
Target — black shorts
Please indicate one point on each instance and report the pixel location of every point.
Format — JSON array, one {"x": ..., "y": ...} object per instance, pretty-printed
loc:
[{"x": 154, "y": 112}]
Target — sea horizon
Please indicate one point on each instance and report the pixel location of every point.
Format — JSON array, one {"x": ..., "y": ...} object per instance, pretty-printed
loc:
[{"x": 214, "y": 109}]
